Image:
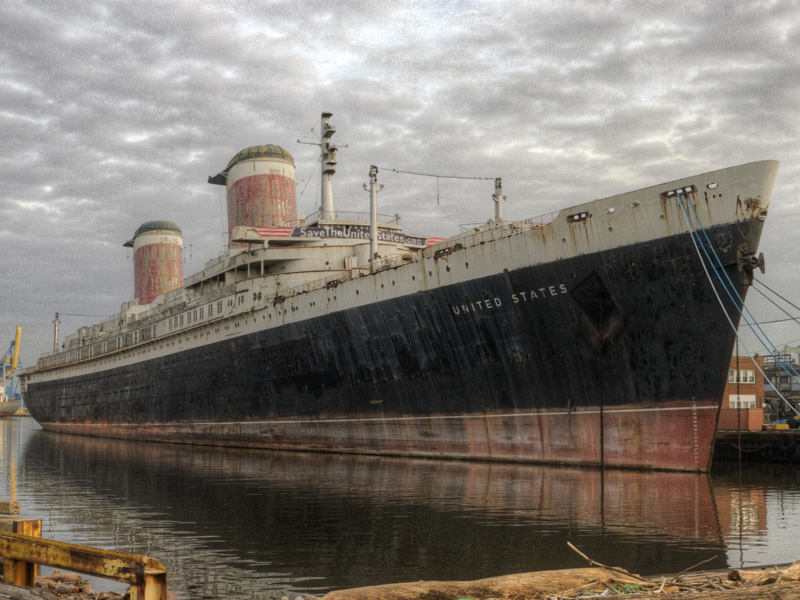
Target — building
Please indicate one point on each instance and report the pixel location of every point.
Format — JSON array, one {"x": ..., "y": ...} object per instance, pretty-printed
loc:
[{"x": 743, "y": 399}]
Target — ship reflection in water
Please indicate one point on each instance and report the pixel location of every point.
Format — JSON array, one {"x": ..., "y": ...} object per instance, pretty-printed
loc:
[{"x": 238, "y": 523}]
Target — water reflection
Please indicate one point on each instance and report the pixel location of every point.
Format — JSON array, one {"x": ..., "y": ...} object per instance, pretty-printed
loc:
[
  {"x": 759, "y": 513},
  {"x": 239, "y": 523}
]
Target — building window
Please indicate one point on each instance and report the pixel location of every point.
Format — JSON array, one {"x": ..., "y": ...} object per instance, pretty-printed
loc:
[
  {"x": 742, "y": 401},
  {"x": 745, "y": 376}
]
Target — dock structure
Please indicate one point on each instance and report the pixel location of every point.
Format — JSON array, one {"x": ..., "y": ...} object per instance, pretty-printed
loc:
[
  {"x": 779, "y": 446},
  {"x": 23, "y": 551}
]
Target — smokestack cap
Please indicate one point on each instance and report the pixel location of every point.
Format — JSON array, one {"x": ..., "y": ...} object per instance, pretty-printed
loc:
[
  {"x": 253, "y": 152},
  {"x": 157, "y": 226}
]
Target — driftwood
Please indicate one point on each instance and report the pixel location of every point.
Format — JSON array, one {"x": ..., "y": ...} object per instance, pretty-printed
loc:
[
  {"x": 780, "y": 591},
  {"x": 56, "y": 586},
  {"x": 752, "y": 578},
  {"x": 523, "y": 585},
  {"x": 595, "y": 582},
  {"x": 18, "y": 593},
  {"x": 594, "y": 563}
]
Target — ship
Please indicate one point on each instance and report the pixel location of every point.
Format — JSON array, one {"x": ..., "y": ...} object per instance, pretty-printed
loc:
[
  {"x": 597, "y": 335},
  {"x": 8, "y": 406}
]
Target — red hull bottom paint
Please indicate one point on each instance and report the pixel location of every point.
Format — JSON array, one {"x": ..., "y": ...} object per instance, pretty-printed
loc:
[{"x": 673, "y": 436}]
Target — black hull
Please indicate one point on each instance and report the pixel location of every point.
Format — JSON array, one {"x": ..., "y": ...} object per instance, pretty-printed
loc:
[{"x": 638, "y": 327}]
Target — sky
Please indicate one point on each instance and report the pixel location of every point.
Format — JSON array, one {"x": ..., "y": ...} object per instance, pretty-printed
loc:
[{"x": 115, "y": 113}]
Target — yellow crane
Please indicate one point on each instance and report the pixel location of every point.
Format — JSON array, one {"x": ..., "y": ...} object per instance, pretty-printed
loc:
[
  {"x": 9, "y": 401},
  {"x": 12, "y": 356}
]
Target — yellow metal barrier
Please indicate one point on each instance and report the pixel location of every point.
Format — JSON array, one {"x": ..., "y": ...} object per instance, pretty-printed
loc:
[{"x": 21, "y": 555}]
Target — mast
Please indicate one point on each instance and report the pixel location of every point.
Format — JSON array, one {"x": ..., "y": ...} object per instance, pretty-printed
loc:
[
  {"x": 373, "y": 215},
  {"x": 55, "y": 334},
  {"x": 498, "y": 199},
  {"x": 328, "y": 167}
]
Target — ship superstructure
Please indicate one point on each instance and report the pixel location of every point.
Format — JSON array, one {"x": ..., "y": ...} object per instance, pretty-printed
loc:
[{"x": 590, "y": 336}]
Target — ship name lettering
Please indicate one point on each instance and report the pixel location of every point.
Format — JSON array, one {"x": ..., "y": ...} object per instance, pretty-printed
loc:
[{"x": 517, "y": 298}]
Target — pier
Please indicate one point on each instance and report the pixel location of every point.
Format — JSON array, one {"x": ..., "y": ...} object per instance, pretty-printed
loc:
[
  {"x": 23, "y": 551},
  {"x": 779, "y": 446}
]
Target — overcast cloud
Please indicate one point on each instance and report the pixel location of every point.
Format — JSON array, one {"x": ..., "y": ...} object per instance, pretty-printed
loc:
[{"x": 115, "y": 113}]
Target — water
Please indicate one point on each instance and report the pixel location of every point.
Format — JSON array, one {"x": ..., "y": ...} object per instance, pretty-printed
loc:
[{"x": 233, "y": 523}]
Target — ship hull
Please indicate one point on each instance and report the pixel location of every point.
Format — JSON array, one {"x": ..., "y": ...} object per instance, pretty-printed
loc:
[
  {"x": 8, "y": 409},
  {"x": 673, "y": 436},
  {"x": 592, "y": 360}
]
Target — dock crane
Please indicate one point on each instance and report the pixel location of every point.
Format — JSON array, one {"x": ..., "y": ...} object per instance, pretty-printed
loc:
[{"x": 9, "y": 362}]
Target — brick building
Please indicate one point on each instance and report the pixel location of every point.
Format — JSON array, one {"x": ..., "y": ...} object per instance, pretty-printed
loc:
[{"x": 743, "y": 399}]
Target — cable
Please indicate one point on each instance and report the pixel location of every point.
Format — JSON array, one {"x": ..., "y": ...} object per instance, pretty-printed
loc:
[
  {"x": 791, "y": 318},
  {"x": 435, "y": 175},
  {"x": 777, "y": 294},
  {"x": 349, "y": 186},
  {"x": 423, "y": 218},
  {"x": 722, "y": 269},
  {"x": 309, "y": 179},
  {"x": 692, "y": 234},
  {"x": 732, "y": 286}
]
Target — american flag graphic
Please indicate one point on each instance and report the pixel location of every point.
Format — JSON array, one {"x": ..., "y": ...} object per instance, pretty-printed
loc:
[
  {"x": 432, "y": 241},
  {"x": 274, "y": 231}
]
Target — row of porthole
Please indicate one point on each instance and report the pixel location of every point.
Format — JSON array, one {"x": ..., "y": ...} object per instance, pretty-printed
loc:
[
  {"x": 139, "y": 352},
  {"x": 284, "y": 312}
]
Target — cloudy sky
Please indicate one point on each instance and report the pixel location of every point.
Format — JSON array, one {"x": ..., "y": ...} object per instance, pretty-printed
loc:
[{"x": 115, "y": 113}]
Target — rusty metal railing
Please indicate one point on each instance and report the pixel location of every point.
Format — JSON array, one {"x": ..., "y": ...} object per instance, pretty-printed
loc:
[{"x": 22, "y": 554}]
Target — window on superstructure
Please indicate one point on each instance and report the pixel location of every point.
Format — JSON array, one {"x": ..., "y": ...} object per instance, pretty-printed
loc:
[
  {"x": 742, "y": 376},
  {"x": 202, "y": 310},
  {"x": 181, "y": 320},
  {"x": 219, "y": 306},
  {"x": 211, "y": 310}
]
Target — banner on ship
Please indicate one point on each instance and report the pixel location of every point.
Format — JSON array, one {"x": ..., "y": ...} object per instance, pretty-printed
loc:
[{"x": 345, "y": 232}]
